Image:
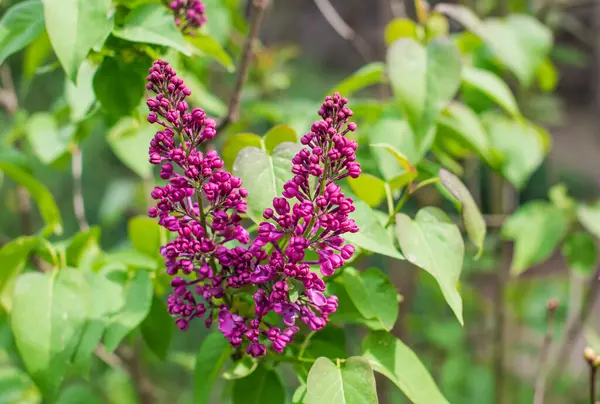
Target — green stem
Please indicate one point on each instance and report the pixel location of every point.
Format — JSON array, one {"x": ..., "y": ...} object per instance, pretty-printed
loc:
[
  {"x": 305, "y": 343},
  {"x": 389, "y": 198},
  {"x": 399, "y": 206},
  {"x": 428, "y": 181}
]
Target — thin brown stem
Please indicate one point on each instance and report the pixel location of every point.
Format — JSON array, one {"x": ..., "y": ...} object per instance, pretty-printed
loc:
[
  {"x": 343, "y": 29},
  {"x": 256, "y": 17},
  {"x": 540, "y": 382},
  {"x": 143, "y": 384},
  {"x": 78, "y": 202},
  {"x": 593, "y": 372},
  {"x": 576, "y": 325}
]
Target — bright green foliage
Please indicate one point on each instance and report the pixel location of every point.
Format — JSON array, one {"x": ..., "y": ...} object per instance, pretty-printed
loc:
[
  {"x": 368, "y": 188},
  {"x": 581, "y": 252},
  {"x": 372, "y": 73},
  {"x": 472, "y": 218},
  {"x": 589, "y": 217},
  {"x": 372, "y": 235},
  {"x": 128, "y": 140},
  {"x": 373, "y": 295},
  {"x": 431, "y": 241},
  {"x": 152, "y": 23},
  {"x": 21, "y": 24},
  {"x": 264, "y": 174},
  {"x": 47, "y": 140},
  {"x": 88, "y": 25},
  {"x": 396, "y": 361},
  {"x": 352, "y": 382},
  {"x": 537, "y": 228},
  {"x": 48, "y": 318},
  {"x": 207, "y": 45},
  {"x": 211, "y": 357}
]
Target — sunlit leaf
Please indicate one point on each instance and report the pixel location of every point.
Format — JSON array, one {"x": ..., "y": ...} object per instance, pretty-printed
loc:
[
  {"x": 47, "y": 320},
  {"x": 367, "y": 75},
  {"x": 368, "y": 188},
  {"x": 152, "y": 23},
  {"x": 129, "y": 140},
  {"x": 589, "y": 217},
  {"x": 396, "y": 361},
  {"x": 581, "y": 252},
  {"x": 207, "y": 45},
  {"x": 400, "y": 28},
  {"x": 352, "y": 382},
  {"x": 47, "y": 140},
  {"x": 396, "y": 134},
  {"x": 74, "y": 27},
  {"x": 235, "y": 143},
  {"x": 20, "y": 25},
  {"x": 263, "y": 175},
  {"x": 371, "y": 236},
  {"x": 472, "y": 218},
  {"x": 277, "y": 135},
  {"x": 433, "y": 242},
  {"x": 537, "y": 228},
  {"x": 492, "y": 86},
  {"x": 214, "y": 351},
  {"x": 373, "y": 295},
  {"x": 138, "y": 300}
]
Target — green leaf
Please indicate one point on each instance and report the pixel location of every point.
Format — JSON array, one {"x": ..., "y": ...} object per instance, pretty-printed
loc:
[
  {"x": 118, "y": 86},
  {"x": 36, "y": 54},
  {"x": 493, "y": 87},
  {"x": 262, "y": 386},
  {"x": 581, "y": 253},
  {"x": 74, "y": 27},
  {"x": 43, "y": 197},
  {"x": 13, "y": 256},
  {"x": 82, "y": 247},
  {"x": 47, "y": 321},
  {"x": 77, "y": 394},
  {"x": 373, "y": 295},
  {"x": 434, "y": 243},
  {"x": 263, "y": 175},
  {"x": 138, "y": 300},
  {"x": 241, "y": 368},
  {"x": 347, "y": 313},
  {"x": 107, "y": 288},
  {"x": 352, "y": 383},
  {"x": 400, "y": 28},
  {"x": 537, "y": 228},
  {"x": 589, "y": 217},
  {"x": 219, "y": 22},
  {"x": 80, "y": 95},
  {"x": 547, "y": 75},
  {"x": 463, "y": 124},
  {"x": 521, "y": 145},
  {"x": 144, "y": 234},
  {"x": 213, "y": 353},
  {"x": 129, "y": 141},
  {"x": 47, "y": 140},
  {"x": 371, "y": 236},
  {"x": 424, "y": 79},
  {"x": 20, "y": 25},
  {"x": 396, "y": 361},
  {"x": 398, "y": 135},
  {"x": 157, "y": 328},
  {"x": 367, "y": 75},
  {"x": 207, "y": 45},
  {"x": 368, "y": 188},
  {"x": 299, "y": 396},
  {"x": 277, "y": 135},
  {"x": 236, "y": 143},
  {"x": 520, "y": 41},
  {"x": 472, "y": 218},
  {"x": 202, "y": 96},
  {"x": 152, "y": 23}
]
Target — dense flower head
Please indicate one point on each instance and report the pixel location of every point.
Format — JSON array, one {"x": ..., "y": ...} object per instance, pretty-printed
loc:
[
  {"x": 211, "y": 258},
  {"x": 189, "y": 14}
]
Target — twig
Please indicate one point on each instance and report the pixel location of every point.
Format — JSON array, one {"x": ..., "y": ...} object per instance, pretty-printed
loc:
[
  {"x": 574, "y": 328},
  {"x": 110, "y": 359},
  {"x": 540, "y": 382},
  {"x": 256, "y": 17},
  {"x": 78, "y": 204},
  {"x": 343, "y": 29},
  {"x": 143, "y": 384}
]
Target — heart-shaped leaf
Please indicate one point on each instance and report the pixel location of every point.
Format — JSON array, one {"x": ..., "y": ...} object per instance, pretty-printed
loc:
[
  {"x": 433, "y": 242},
  {"x": 350, "y": 383}
]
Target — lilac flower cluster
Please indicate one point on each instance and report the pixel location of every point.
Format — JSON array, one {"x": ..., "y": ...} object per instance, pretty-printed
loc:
[
  {"x": 189, "y": 14},
  {"x": 202, "y": 204}
]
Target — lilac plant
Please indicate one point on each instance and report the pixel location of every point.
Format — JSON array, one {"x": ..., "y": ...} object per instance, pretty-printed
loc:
[
  {"x": 189, "y": 14},
  {"x": 203, "y": 205}
]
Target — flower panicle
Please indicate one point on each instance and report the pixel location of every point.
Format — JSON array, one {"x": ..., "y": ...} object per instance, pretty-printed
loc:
[
  {"x": 189, "y": 15},
  {"x": 202, "y": 205}
]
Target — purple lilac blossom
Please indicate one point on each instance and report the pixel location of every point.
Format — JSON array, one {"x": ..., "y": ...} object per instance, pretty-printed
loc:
[
  {"x": 202, "y": 205},
  {"x": 189, "y": 15}
]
